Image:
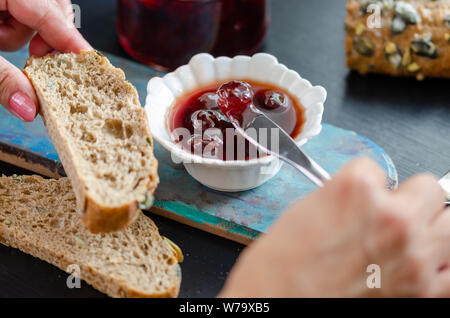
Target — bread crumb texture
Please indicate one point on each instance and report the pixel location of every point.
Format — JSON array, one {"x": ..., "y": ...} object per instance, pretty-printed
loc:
[
  {"x": 38, "y": 216},
  {"x": 99, "y": 129}
]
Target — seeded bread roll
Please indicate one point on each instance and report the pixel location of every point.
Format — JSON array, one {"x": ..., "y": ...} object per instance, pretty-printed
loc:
[
  {"x": 39, "y": 217},
  {"x": 412, "y": 38},
  {"x": 101, "y": 134}
]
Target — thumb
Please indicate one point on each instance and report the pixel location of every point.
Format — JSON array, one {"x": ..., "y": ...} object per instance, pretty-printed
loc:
[{"x": 16, "y": 92}]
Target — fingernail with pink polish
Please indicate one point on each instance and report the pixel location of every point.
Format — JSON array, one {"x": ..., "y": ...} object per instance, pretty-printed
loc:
[{"x": 21, "y": 105}]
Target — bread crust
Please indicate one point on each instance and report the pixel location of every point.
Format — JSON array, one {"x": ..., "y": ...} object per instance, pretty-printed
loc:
[
  {"x": 432, "y": 22},
  {"x": 97, "y": 280},
  {"x": 96, "y": 217}
]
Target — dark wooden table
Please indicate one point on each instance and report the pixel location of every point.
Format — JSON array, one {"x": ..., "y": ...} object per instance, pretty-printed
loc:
[{"x": 409, "y": 119}]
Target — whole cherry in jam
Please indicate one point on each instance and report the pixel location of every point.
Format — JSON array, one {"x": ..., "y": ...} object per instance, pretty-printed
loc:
[
  {"x": 206, "y": 101},
  {"x": 203, "y": 119},
  {"x": 209, "y": 144},
  {"x": 271, "y": 99},
  {"x": 234, "y": 98}
]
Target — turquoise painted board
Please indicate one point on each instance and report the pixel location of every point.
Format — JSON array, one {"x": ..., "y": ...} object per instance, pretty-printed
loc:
[{"x": 239, "y": 216}]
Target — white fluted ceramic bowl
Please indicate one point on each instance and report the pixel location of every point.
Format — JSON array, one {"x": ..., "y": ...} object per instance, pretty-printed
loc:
[{"x": 203, "y": 70}]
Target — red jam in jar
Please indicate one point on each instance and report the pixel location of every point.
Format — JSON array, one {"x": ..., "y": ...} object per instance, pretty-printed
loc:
[
  {"x": 196, "y": 113},
  {"x": 166, "y": 33}
]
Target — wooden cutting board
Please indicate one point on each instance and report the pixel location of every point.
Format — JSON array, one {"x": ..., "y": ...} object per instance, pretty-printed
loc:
[{"x": 237, "y": 216}]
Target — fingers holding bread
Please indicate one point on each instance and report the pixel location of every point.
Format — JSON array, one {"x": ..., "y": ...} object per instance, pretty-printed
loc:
[{"x": 16, "y": 92}]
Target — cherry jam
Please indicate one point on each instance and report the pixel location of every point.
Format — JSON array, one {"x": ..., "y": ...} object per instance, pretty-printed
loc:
[
  {"x": 204, "y": 117},
  {"x": 234, "y": 100},
  {"x": 167, "y": 33}
]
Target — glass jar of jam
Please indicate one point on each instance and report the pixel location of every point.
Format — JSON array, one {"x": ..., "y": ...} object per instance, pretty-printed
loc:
[{"x": 167, "y": 33}]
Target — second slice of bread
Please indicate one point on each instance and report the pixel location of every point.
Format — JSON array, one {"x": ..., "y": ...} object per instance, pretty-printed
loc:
[
  {"x": 39, "y": 217},
  {"x": 100, "y": 131}
]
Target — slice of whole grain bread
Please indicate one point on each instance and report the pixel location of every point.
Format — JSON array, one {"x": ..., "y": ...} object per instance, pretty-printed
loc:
[
  {"x": 38, "y": 216},
  {"x": 101, "y": 133}
]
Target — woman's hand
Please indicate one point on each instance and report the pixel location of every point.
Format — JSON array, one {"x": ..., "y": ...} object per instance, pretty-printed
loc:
[
  {"x": 323, "y": 245},
  {"x": 49, "y": 26}
]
